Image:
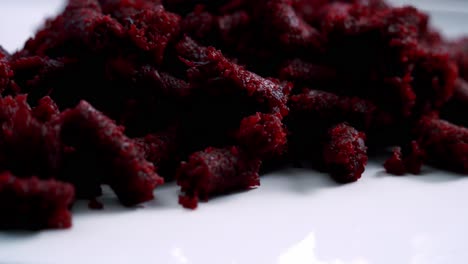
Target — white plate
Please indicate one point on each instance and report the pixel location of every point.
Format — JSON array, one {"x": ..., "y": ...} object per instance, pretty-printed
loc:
[{"x": 296, "y": 216}]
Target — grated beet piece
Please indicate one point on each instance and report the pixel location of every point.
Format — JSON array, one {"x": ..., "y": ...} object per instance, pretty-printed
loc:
[
  {"x": 434, "y": 78},
  {"x": 232, "y": 26},
  {"x": 459, "y": 54},
  {"x": 190, "y": 50},
  {"x": 446, "y": 144},
  {"x": 123, "y": 10},
  {"x": 286, "y": 28},
  {"x": 131, "y": 177},
  {"x": 329, "y": 108},
  {"x": 216, "y": 171},
  {"x": 263, "y": 135},
  {"x": 458, "y": 104},
  {"x": 33, "y": 203},
  {"x": 46, "y": 110},
  {"x": 307, "y": 73},
  {"x": 345, "y": 153},
  {"x": 165, "y": 83},
  {"x": 27, "y": 146},
  {"x": 200, "y": 23},
  {"x": 81, "y": 26},
  {"x": 38, "y": 76},
  {"x": 162, "y": 150},
  {"x": 395, "y": 165},
  {"x": 152, "y": 30},
  {"x": 6, "y": 73},
  {"x": 313, "y": 112},
  {"x": 415, "y": 159},
  {"x": 264, "y": 91},
  {"x": 384, "y": 48}
]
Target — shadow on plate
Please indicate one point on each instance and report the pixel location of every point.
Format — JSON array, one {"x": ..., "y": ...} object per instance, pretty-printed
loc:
[
  {"x": 165, "y": 198},
  {"x": 428, "y": 175}
]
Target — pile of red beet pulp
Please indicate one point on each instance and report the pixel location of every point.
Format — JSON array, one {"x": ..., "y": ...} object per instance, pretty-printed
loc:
[{"x": 133, "y": 93}]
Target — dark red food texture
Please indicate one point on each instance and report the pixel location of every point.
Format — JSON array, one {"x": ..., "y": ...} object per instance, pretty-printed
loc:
[
  {"x": 395, "y": 164},
  {"x": 269, "y": 95},
  {"x": 126, "y": 170},
  {"x": 33, "y": 203},
  {"x": 446, "y": 144},
  {"x": 380, "y": 55},
  {"x": 263, "y": 135},
  {"x": 410, "y": 160},
  {"x": 185, "y": 81},
  {"x": 27, "y": 145},
  {"x": 216, "y": 171},
  {"x": 6, "y": 73},
  {"x": 456, "y": 110},
  {"x": 161, "y": 149},
  {"x": 345, "y": 153}
]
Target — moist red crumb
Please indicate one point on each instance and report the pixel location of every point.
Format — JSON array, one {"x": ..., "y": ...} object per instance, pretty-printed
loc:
[
  {"x": 345, "y": 153},
  {"x": 216, "y": 171},
  {"x": 458, "y": 104},
  {"x": 263, "y": 135},
  {"x": 161, "y": 149},
  {"x": 410, "y": 160},
  {"x": 285, "y": 27},
  {"x": 281, "y": 80},
  {"x": 415, "y": 159},
  {"x": 152, "y": 29},
  {"x": 307, "y": 73},
  {"x": 190, "y": 50},
  {"x": 395, "y": 165},
  {"x": 128, "y": 173},
  {"x": 27, "y": 145},
  {"x": 446, "y": 144},
  {"x": 32, "y": 203},
  {"x": 6, "y": 73},
  {"x": 328, "y": 108},
  {"x": 46, "y": 110},
  {"x": 264, "y": 91},
  {"x": 81, "y": 26}
]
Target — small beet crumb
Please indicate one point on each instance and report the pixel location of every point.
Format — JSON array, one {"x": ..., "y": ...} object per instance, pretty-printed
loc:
[
  {"x": 263, "y": 135},
  {"x": 32, "y": 203},
  {"x": 345, "y": 154},
  {"x": 216, "y": 171},
  {"x": 395, "y": 165},
  {"x": 129, "y": 174}
]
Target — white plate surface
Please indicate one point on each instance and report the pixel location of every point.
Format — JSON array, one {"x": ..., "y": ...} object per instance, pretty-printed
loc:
[{"x": 296, "y": 216}]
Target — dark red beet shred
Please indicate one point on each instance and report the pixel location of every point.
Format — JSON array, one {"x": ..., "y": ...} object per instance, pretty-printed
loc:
[
  {"x": 120, "y": 92},
  {"x": 217, "y": 171},
  {"x": 32, "y": 203},
  {"x": 345, "y": 153},
  {"x": 126, "y": 170}
]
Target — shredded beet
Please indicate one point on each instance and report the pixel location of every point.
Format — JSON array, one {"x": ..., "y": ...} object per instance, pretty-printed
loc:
[
  {"x": 263, "y": 135},
  {"x": 345, "y": 153},
  {"x": 395, "y": 165},
  {"x": 410, "y": 160},
  {"x": 32, "y": 203},
  {"x": 127, "y": 171},
  {"x": 204, "y": 92},
  {"x": 446, "y": 144},
  {"x": 6, "y": 73},
  {"x": 216, "y": 171}
]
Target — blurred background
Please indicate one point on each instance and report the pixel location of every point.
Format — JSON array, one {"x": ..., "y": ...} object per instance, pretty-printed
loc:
[{"x": 20, "y": 18}]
